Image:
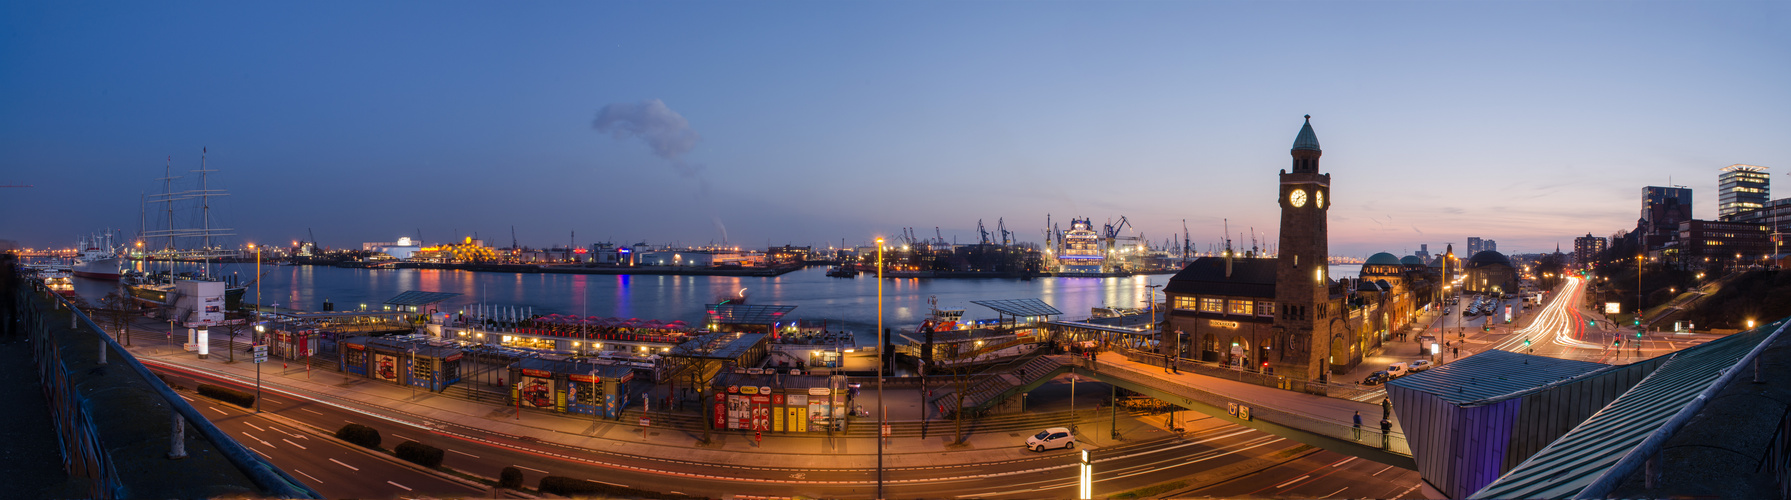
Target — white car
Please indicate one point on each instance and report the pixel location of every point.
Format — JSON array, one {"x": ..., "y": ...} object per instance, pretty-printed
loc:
[
  {"x": 1055, "y": 437},
  {"x": 1419, "y": 365},
  {"x": 1396, "y": 370}
]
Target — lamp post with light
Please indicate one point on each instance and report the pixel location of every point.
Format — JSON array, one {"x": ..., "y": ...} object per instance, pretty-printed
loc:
[{"x": 881, "y": 411}]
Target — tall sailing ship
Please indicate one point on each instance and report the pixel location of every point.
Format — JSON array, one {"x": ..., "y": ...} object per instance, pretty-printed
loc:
[{"x": 174, "y": 245}]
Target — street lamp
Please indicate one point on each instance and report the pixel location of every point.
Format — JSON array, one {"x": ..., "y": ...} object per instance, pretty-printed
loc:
[{"x": 881, "y": 411}]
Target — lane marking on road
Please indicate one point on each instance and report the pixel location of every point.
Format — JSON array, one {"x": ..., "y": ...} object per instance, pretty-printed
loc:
[
  {"x": 302, "y": 473},
  {"x": 531, "y": 468},
  {"x": 300, "y": 446},
  {"x": 463, "y": 453},
  {"x": 257, "y": 452},
  {"x": 350, "y": 467},
  {"x": 606, "y": 482},
  {"x": 183, "y": 396},
  {"x": 1294, "y": 480},
  {"x": 402, "y": 437},
  {"x": 311, "y": 410},
  {"x": 406, "y": 488},
  {"x": 220, "y": 412},
  {"x": 1382, "y": 470},
  {"x": 1345, "y": 461},
  {"x": 270, "y": 445},
  {"x": 257, "y": 427},
  {"x": 1334, "y": 493},
  {"x": 1408, "y": 490}
]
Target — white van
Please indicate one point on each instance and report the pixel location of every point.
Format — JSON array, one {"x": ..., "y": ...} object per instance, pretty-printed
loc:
[
  {"x": 1397, "y": 370},
  {"x": 1055, "y": 437}
]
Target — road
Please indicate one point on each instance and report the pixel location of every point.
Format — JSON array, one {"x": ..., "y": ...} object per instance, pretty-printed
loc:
[
  {"x": 332, "y": 468},
  {"x": 1210, "y": 445}
]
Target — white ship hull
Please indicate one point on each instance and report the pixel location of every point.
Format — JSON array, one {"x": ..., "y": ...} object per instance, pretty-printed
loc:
[{"x": 99, "y": 269}]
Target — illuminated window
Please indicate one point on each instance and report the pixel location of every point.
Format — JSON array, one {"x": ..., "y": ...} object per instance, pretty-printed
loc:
[
  {"x": 1240, "y": 307},
  {"x": 1185, "y": 303},
  {"x": 1212, "y": 304}
]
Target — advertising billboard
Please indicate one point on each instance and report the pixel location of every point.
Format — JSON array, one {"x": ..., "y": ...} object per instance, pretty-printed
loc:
[{"x": 385, "y": 367}]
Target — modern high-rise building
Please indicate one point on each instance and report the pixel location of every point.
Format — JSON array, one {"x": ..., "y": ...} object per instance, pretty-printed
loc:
[
  {"x": 1586, "y": 248},
  {"x": 1663, "y": 208},
  {"x": 1477, "y": 245},
  {"x": 1741, "y": 188}
]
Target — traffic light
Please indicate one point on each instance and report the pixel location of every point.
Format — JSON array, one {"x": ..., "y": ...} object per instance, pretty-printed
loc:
[
  {"x": 1617, "y": 342},
  {"x": 1526, "y": 342},
  {"x": 1638, "y": 334},
  {"x": 1591, "y": 322}
]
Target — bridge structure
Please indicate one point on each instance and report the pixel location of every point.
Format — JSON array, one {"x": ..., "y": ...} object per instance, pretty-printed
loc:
[
  {"x": 1325, "y": 422},
  {"x": 113, "y": 429}
]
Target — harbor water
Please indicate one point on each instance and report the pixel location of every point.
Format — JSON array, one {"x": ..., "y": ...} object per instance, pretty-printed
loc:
[{"x": 850, "y": 303}]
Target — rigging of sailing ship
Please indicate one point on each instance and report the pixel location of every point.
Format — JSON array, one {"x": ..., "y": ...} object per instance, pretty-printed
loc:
[{"x": 174, "y": 245}]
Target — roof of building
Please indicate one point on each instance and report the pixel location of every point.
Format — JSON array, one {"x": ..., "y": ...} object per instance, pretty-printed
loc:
[
  {"x": 1369, "y": 286},
  {"x": 721, "y": 345},
  {"x": 599, "y": 367},
  {"x": 1493, "y": 374},
  {"x": 1306, "y": 140},
  {"x": 1382, "y": 259},
  {"x": 1023, "y": 308},
  {"x": 1411, "y": 260},
  {"x": 1565, "y": 467},
  {"x": 746, "y": 314},
  {"x": 1206, "y": 276},
  {"x": 419, "y": 298},
  {"x": 1487, "y": 258}
]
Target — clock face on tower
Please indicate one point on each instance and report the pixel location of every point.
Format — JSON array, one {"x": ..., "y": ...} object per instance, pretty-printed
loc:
[
  {"x": 1318, "y": 199},
  {"x": 1298, "y": 198}
]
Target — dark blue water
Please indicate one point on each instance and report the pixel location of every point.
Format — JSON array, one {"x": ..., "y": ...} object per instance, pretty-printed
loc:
[{"x": 851, "y": 302}]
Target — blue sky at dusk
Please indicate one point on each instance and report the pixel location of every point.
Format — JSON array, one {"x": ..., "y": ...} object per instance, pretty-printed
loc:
[{"x": 805, "y": 123}]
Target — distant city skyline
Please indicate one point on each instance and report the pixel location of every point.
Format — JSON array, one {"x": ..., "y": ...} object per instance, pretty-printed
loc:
[{"x": 803, "y": 123}]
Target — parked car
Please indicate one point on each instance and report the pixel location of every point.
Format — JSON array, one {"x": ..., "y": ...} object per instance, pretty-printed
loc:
[
  {"x": 1397, "y": 370},
  {"x": 1055, "y": 437},
  {"x": 1420, "y": 365},
  {"x": 1377, "y": 378}
]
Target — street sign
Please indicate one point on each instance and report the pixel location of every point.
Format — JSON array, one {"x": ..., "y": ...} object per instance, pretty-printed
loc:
[{"x": 260, "y": 351}]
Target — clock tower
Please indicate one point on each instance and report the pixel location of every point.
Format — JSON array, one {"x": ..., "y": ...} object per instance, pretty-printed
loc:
[{"x": 1304, "y": 310}]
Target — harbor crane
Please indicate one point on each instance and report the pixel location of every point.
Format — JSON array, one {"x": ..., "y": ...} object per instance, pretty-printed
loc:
[{"x": 981, "y": 231}]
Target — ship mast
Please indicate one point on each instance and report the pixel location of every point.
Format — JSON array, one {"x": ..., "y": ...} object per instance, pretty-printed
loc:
[{"x": 204, "y": 214}]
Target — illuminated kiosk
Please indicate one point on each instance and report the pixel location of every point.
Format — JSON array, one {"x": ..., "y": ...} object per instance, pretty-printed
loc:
[
  {"x": 591, "y": 387},
  {"x": 764, "y": 400},
  {"x": 403, "y": 362}
]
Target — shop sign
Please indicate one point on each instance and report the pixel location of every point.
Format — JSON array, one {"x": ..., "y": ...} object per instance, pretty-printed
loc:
[
  {"x": 584, "y": 378},
  {"x": 357, "y": 347},
  {"x": 455, "y": 357},
  {"x": 819, "y": 391},
  {"x": 749, "y": 390},
  {"x": 1222, "y": 324},
  {"x": 733, "y": 389},
  {"x": 777, "y": 399},
  {"x": 537, "y": 373}
]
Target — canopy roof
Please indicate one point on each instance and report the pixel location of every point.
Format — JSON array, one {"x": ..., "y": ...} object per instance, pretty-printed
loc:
[
  {"x": 418, "y": 298},
  {"x": 1024, "y": 308}
]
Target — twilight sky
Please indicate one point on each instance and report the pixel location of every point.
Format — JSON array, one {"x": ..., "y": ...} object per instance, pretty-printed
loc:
[{"x": 805, "y": 123}]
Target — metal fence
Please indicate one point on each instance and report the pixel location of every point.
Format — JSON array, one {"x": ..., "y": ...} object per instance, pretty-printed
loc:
[{"x": 84, "y": 455}]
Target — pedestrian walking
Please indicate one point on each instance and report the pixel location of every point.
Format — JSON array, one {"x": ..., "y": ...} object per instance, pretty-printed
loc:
[{"x": 1358, "y": 419}]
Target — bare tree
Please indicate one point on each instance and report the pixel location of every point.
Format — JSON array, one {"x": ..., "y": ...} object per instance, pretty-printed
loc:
[
  {"x": 235, "y": 324},
  {"x": 116, "y": 309},
  {"x": 958, "y": 371}
]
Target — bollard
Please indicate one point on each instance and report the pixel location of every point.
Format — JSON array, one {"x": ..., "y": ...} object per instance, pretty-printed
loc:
[
  {"x": 74, "y": 321},
  {"x": 102, "y": 350},
  {"x": 178, "y": 447}
]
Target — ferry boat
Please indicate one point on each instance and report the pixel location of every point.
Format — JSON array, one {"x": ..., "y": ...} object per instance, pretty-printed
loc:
[{"x": 843, "y": 271}]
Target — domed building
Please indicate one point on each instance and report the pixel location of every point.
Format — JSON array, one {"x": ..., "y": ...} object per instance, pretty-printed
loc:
[
  {"x": 1389, "y": 294},
  {"x": 1490, "y": 272}
]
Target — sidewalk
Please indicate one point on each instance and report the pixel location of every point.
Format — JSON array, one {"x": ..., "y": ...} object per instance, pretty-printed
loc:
[{"x": 816, "y": 450}]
